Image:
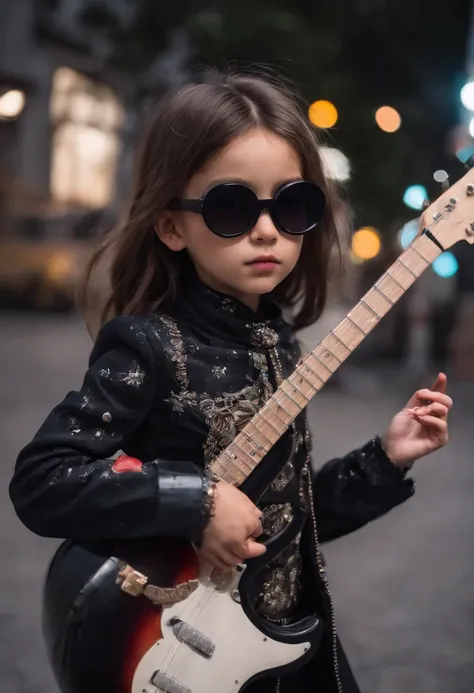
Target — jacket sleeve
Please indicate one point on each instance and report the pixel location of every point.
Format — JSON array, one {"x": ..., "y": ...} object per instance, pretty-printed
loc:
[
  {"x": 351, "y": 491},
  {"x": 65, "y": 485}
]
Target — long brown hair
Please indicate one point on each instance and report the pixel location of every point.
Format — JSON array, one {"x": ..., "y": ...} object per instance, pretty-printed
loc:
[{"x": 187, "y": 128}]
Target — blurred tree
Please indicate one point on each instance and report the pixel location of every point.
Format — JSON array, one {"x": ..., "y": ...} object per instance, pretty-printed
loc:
[{"x": 359, "y": 54}]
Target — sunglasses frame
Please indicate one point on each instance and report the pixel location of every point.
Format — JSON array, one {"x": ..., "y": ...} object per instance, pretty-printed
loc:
[{"x": 199, "y": 207}]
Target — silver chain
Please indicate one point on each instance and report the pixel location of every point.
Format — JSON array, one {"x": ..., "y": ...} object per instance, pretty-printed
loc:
[{"x": 322, "y": 573}]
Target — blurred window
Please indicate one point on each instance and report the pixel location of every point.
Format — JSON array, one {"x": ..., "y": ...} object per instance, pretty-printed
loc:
[{"x": 87, "y": 119}]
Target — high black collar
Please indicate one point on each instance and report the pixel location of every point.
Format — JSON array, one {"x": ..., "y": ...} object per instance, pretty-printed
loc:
[{"x": 228, "y": 320}]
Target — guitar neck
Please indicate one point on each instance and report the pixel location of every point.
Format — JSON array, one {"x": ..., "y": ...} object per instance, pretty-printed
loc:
[{"x": 261, "y": 433}]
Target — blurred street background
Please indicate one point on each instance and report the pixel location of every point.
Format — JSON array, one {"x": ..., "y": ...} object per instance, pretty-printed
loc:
[{"x": 390, "y": 87}]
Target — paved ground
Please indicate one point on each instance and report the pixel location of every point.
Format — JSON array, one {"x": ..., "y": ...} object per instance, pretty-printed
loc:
[{"x": 403, "y": 587}]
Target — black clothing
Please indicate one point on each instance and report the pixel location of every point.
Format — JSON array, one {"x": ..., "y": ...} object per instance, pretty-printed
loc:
[{"x": 173, "y": 391}]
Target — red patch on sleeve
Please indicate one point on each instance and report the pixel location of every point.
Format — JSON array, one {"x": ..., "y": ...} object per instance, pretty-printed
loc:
[{"x": 124, "y": 463}]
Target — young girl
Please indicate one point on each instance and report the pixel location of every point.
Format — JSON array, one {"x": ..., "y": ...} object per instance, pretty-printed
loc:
[{"x": 231, "y": 220}]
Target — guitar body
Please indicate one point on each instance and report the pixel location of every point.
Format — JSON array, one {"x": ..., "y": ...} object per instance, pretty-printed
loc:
[{"x": 124, "y": 644}]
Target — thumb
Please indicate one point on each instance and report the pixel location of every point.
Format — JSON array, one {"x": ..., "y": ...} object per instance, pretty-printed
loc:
[{"x": 254, "y": 549}]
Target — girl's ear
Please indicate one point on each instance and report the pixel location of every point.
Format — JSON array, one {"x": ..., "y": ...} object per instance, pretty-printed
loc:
[{"x": 168, "y": 232}]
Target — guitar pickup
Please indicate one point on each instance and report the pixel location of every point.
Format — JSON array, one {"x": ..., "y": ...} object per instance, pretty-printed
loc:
[
  {"x": 192, "y": 637},
  {"x": 166, "y": 683}
]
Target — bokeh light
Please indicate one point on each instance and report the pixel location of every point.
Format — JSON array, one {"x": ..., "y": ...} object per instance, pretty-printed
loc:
[
  {"x": 415, "y": 196},
  {"x": 445, "y": 265},
  {"x": 388, "y": 119},
  {"x": 408, "y": 233},
  {"x": 12, "y": 103},
  {"x": 335, "y": 164},
  {"x": 465, "y": 153},
  {"x": 323, "y": 114},
  {"x": 471, "y": 127},
  {"x": 467, "y": 95},
  {"x": 366, "y": 243}
]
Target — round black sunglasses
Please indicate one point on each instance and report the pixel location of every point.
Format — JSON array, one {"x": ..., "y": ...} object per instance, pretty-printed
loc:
[{"x": 232, "y": 209}]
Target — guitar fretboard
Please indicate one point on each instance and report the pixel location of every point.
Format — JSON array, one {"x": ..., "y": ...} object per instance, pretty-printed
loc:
[{"x": 266, "y": 427}]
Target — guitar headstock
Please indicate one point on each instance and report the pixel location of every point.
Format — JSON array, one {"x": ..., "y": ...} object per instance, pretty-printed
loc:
[{"x": 451, "y": 217}]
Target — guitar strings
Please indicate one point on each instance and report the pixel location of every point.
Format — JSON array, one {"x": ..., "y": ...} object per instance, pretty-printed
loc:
[
  {"x": 176, "y": 645},
  {"x": 186, "y": 617}
]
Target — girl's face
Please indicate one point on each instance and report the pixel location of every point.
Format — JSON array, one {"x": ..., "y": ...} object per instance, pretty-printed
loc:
[{"x": 264, "y": 162}]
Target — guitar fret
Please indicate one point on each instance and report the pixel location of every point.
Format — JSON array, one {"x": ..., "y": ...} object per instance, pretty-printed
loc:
[
  {"x": 395, "y": 280},
  {"x": 300, "y": 392},
  {"x": 241, "y": 451},
  {"x": 308, "y": 368},
  {"x": 413, "y": 247},
  {"x": 226, "y": 474},
  {"x": 327, "y": 357},
  {"x": 260, "y": 433},
  {"x": 280, "y": 406},
  {"x": 291, "y": 397},
  {"x": 392, "y": 303},
  {"x": 340, "y": 342},
  {"x": 301, "y": 375},
  {"x": 244, "y": 452},
  {"x": 348, "y": 317},
  {"x": 275, "y": 413},
  {"x": 253, "y": 451},
  {"x": 259, "y": 415},
  {"x": 314, "y": 355},
  {"x": 234, "y": 459},
  {"x": 371, "y": 309},
  {"x": 400, "y": 260},
  {"x": 254, "y": 442}
]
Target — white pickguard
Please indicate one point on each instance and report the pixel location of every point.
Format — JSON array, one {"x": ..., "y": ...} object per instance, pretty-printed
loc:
[{"x": 241, "y": 650}]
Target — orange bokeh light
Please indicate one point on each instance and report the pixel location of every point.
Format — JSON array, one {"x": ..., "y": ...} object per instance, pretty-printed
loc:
[
  {"x": 366, "y": 243},
  {"x": 388, "y": 119},
  {"x": 323, "y": 114}
]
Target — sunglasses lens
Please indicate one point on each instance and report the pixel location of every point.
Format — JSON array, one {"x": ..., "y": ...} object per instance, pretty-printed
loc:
[
  {"x": 299, "y": 207},
  {"x": 229, "y": 209}
]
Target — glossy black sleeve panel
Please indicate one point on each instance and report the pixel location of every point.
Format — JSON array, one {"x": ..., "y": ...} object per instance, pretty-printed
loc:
[
  {"x": 64, "y": 484},
  {"x": 351, "y": 491}
]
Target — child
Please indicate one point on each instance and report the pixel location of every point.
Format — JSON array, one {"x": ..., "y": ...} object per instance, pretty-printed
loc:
[{"x": 231, "y": 219}]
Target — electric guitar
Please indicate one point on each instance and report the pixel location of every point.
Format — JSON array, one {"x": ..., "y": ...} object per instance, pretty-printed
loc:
[{"x": 187, "y": 632}]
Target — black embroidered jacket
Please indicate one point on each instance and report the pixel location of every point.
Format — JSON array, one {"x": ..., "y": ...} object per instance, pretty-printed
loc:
[{"x": 172, "y": 391}]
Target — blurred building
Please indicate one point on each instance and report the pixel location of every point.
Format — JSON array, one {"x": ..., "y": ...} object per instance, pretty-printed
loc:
[
  {"x": 63, "y": 123},
  {"x": 62, "y": 148}
]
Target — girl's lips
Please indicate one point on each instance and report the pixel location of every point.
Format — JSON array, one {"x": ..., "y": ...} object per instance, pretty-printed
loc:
[
  {"x": 264, "y": 259},
  {"x": 266, "y": 266}
]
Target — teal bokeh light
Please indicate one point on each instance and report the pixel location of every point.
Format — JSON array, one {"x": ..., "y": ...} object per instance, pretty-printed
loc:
[
  {"x": 414, "y": 196},
  {"x": 445, "y": 265},
  {"x": 408, "y": 232}
]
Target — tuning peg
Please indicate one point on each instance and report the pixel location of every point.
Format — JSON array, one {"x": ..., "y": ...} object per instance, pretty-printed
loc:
[
  {"x": 470, "y": 189},
  {"x": 442, "y": 177}
]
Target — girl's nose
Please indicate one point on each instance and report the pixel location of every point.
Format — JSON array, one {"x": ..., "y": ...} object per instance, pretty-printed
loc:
[{"x": 264, "y": 229}]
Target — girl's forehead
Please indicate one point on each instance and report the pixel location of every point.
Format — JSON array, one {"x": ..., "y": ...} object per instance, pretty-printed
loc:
[{"x": 259, "y": 158}]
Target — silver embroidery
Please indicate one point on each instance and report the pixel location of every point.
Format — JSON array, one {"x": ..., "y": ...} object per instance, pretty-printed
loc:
[
  {"x": 135, "y": 377},
  {"x": 86, "y": 403},
  {"x": 73, "y": 425},
  {"x": 262, "y": 336},
  {"x": 219, "y": 371},
  {"x": 176, "y": 353},
  {"x": 224, "y": 416},
  {"x": 283, "y": 479}
]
